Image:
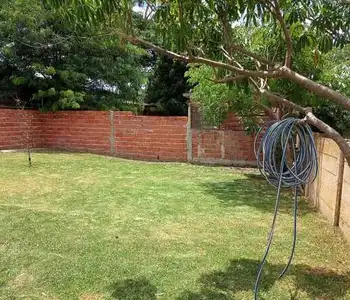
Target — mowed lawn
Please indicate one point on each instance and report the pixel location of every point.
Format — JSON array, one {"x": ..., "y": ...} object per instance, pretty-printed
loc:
[{"x": 81, "y": 226}]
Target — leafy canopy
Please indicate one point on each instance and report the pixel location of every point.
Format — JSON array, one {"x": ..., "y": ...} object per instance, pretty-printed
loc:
[
  {"x": 187, "y": 25},
  {"x": 55, "y": 66},
  {"x": 166, "y": 87}
]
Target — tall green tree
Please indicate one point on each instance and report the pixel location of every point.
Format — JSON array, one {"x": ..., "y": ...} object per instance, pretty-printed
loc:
[
  {"x": 166, "y": 87},
  {"x": 52, "y": 65},
  {"x": 202, "y": 32}
]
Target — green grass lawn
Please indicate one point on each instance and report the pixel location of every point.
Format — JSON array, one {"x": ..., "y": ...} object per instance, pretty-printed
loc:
[{"x": 80, "y": 226}]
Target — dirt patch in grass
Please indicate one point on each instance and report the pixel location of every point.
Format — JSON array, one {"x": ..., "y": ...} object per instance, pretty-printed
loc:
[
  {"x": 88, "y": 296},
  {"x": 21, "y": 280}
]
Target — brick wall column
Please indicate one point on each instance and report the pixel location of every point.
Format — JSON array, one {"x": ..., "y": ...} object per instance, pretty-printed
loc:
[
  {"x": 189, "y": 135},
  {"x": 112, "y": 132}
]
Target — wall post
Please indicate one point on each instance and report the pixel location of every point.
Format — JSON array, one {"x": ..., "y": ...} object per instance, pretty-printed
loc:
[
  {"x": 189, "y": 134},
  {"x": 112, "y": 132},
  {"x": 340, "y": 177}
]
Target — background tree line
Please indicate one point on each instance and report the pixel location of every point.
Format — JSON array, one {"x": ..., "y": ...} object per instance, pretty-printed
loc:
[
  {"x": 245, "y": 56},
  {"x": 52, "y": 64}
]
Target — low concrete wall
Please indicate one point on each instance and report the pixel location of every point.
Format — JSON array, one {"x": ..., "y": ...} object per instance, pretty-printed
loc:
[
  {"x": 344, "y": 221},
  {"x": 330, "y": 192}
]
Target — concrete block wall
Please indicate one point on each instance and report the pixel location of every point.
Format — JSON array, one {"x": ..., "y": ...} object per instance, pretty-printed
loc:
[
  {"x": 322, "y": 192},
  {"x": 330, "y": 192},
  {"x": 344, "y": 220}
]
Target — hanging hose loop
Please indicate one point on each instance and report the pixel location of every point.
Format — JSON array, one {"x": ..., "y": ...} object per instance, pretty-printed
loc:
[
  {"x": 287, "y": 134},
  {"x": 286, "y": 156}
]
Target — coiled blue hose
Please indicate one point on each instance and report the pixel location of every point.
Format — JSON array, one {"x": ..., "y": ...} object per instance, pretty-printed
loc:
[{"x": 286, "y": 156}]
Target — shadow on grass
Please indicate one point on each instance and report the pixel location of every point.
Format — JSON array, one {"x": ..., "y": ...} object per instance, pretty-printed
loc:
[
  {"x": 254, "y": 191},
  {"x": 134, "y": 289},
  {"x": 240, "y": 276}
]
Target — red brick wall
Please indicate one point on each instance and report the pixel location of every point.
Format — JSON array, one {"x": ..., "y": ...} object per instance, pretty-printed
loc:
[
  {"x": 140, "y": 137},
  {"x": 151, "y": 137},
  {"x": 77, "y": 130},
  {"x": 14, "y": 126},
  {"x": 228, "y": 144},
  {"x": 126, "y": 135}
]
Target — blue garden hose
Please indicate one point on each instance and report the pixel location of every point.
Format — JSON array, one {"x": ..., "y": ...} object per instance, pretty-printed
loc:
[{"x": 286, "y": 156}]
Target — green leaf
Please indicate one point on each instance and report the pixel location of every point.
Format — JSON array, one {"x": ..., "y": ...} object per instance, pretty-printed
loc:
[
  {"x": 326, "y": 43},
  {"x": 50, "y": 71},
  {"x": 305, "y": 40},
  {"x": 18, "y": 80}
]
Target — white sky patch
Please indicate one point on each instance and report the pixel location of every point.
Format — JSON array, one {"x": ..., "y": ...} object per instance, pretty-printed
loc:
[
  {"x": 139, "y": 9},
  {"x": 39, "y": 75}
]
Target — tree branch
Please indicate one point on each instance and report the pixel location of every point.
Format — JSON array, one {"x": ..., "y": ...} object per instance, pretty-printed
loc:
[
  {"x": 331, "y": 133},
  {"x": 197, "y": 59},
  {"x": 278, "y": 99},
  {"x": 227, "y": 32},
  {"x": 264, "y": 74},
  {"x": 313, "y": 120},
  {"x": 278, "y": 14},
  {"x": 316, "y": 88},
  {"x": 253, "y": 55},
  {"x": 226, "y": 54},
  {"x": 269, "y": 112},
  {"x": 160, "y": 50},
  {"x": 255, "y": 85}
]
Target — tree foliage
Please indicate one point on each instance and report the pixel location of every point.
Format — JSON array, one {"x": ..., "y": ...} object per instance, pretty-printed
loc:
[
  {"x": 217, "y": 100},
  {"x": 166, "y": 87},
  {"x": 46, "y": 60}
]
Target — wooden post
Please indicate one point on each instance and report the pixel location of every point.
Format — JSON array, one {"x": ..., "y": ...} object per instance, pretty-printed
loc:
[{"x": 340, "y": 178}]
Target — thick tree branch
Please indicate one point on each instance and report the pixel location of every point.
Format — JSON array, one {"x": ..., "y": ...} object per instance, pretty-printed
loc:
[
  {"x": 278, "y": 99},
  {"x": 278, "y": 14},
  {"x": 316, "y": 88},
  {"x": 313, "y": 120},
  {"x": 197, "y": 59},
  {"x": 331, "y": 133}
]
